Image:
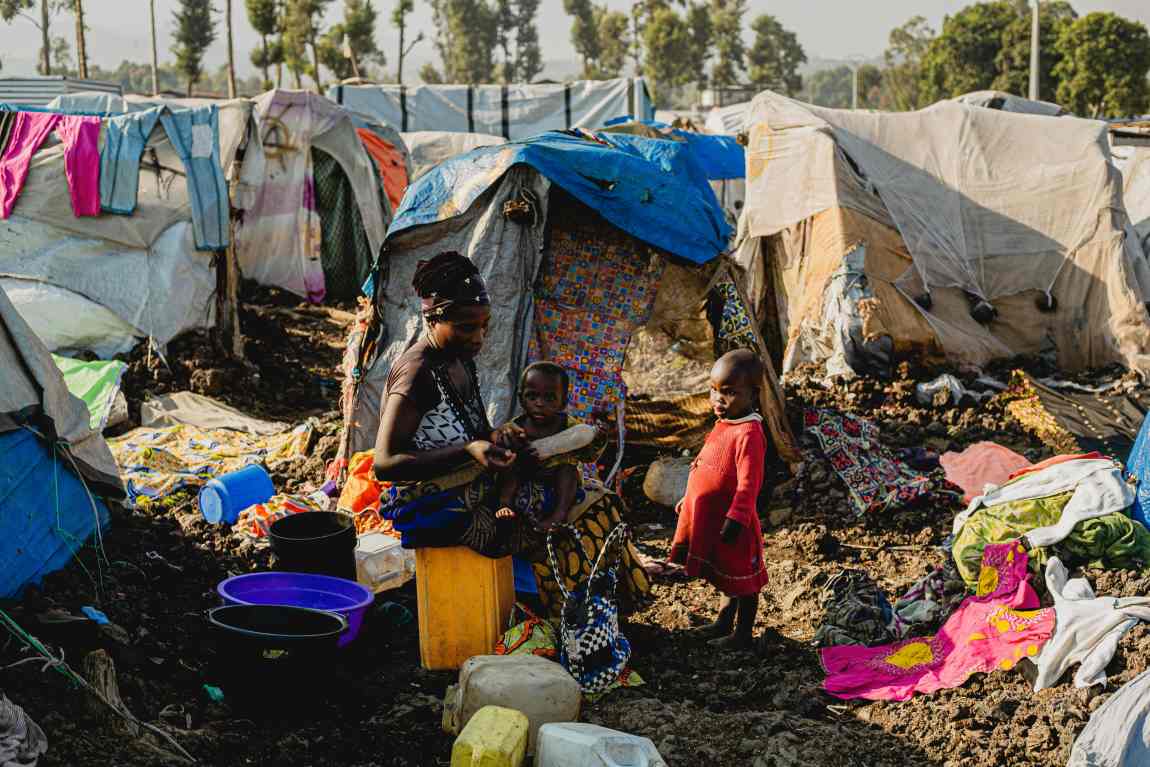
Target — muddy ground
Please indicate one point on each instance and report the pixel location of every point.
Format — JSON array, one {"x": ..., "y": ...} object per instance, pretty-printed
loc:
[{"x": 762, "y": 708}]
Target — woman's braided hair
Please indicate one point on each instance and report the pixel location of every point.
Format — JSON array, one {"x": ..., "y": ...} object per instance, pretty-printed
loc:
[{"x": 446, "y": 282}]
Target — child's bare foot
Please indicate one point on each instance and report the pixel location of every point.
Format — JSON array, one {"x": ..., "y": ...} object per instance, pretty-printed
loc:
[
  {"x": 505, "y": 513},
  {"x": 711, "y": 630},
  {"x": 736, "y": 641}
]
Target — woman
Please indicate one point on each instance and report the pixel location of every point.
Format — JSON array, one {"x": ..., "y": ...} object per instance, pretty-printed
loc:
[{"x": 433, "y": 423}]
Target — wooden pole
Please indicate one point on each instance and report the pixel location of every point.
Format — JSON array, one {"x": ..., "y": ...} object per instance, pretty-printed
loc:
[
  {"x": 155, "y": 52},
  {"x": 81, "y": 46},
  {"x": 231, "y": 51}
]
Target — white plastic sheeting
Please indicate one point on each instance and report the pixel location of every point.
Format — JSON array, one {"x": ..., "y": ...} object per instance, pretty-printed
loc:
[
  {"x": 1007, "y": 102},
  {"x": 67, "y": 322},
  {"x": 511, "y": 111},
  {"x": 429, "y": 148},
  {"x": 161, "y": 291},
  {"x": 729, "y": 120}
]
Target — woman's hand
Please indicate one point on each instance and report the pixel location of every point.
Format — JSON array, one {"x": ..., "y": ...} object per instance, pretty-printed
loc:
[{"x": 490, "y": 456}]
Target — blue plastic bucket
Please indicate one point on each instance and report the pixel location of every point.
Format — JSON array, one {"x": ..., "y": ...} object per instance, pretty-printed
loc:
[{"x": 223, "y": 498}]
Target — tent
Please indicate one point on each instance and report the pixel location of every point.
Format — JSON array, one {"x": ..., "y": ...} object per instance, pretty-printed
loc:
[
  {"x": 103, "y": 282},
  {"x": 429, "y": 148},
  {"x": 600, "y": 252},
  {"x": 1007, "y": 102},
  {"x": 730, "y": 120},
  {"x": 955, "y": 233},
  {"x": 56, "y": 470},
  {"x": 292, "y": 231},
  {"x": 511, "y": 111}
]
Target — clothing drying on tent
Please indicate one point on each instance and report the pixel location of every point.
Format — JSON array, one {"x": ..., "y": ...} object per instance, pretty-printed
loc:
[
  {"x": 56, "y": 469},
  {"x": 101, "y": 282},
  {"x": 935, "y": 209}
]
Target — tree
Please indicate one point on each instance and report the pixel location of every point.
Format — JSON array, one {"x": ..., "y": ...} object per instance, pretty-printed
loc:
[
  {"x": 155, "y": 48},
  {"x": 10, "y": 9},
  {"x": 195, "y": 31},
  {"x": 833, "y": 87},
  {"x": 302, "y": 21},
  {"x": 613, "y": 29},
  {"x": 584, "y": 33},
  {"x": 399, "y": 19},
  {"x": 528, "y": 54},
  {"x": 1104, "y": 63},
  {"x": 61, "y": 54},
  {"x": 965, "y": 56},
  {"x": 1013, "y": 61},
  {"x": 702, "y": 35},
  {"x": 467, "y": 31},
  {"x": 349, "y": 49},
  {"x": 668, "y": 44},
  {"x": 775, "y": 56},
  {"x": 902, "y": 75},
  {"x": 730, "y": 52},
  {"x": 430, "y": 75},
  {"x": 264, "y": 17}
]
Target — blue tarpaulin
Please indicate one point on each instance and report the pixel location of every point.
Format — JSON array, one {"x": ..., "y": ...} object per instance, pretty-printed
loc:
[
  {"x": 46, "y": 514},
  {"x": 654, "y": 190}
]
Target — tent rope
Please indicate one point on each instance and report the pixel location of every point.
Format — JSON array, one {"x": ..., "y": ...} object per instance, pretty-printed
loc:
[{"x": 60, "y": 665}]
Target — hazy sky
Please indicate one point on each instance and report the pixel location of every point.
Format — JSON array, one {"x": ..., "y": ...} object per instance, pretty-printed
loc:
[{"x": 828, "y": 29}]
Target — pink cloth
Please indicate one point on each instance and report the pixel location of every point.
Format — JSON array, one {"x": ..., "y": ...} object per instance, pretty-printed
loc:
[
  {"x": 981, "y": 464},
  {"x": 81, "y": 139},
  {"x": 993, "y": 630}
]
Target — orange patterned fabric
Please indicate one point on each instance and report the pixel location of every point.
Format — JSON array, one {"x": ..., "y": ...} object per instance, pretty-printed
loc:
[{"x": 390, "y": 162}]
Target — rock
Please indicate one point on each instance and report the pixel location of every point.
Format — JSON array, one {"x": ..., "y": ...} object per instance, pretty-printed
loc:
[
  {"x": 778, "y": 517},
  {"x": 1038, "y": 737}
]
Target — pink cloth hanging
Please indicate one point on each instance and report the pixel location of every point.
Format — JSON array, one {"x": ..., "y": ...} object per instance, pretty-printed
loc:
[
  {"x": 993, "y": 630},
  {"x": 81, "y": 139}
]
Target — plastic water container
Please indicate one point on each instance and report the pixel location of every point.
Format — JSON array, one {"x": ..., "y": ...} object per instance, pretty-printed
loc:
[
  {"x": 539, "y": 688},
  {"x": 465, "y": 600},
  {"x": 223, "y": 498},
  {"x": 588, "y": 745},
  {"x": 495, "y": 737},
  {"x": 381, "y": 563}
]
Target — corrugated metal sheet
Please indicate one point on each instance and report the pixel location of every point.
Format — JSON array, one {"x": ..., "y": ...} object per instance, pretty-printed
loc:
[{"x": 38, "y": 91}]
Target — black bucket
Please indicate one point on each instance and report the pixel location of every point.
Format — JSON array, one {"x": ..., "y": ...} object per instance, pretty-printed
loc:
[
  {"x": 320, "y": 542},
  {"x": 273, "y": 658}
]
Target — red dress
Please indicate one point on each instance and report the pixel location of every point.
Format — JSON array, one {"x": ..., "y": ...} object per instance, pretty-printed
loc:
[{"x": 724, "y": 484}]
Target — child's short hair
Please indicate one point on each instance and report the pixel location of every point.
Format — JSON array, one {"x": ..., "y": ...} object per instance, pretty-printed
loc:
[{"x": 550, "y": 369}]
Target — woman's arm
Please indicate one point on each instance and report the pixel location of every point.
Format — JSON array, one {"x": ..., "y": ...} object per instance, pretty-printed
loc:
[{"x": 396, "y": 459}]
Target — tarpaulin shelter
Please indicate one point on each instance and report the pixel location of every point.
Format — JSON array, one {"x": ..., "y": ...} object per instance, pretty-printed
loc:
[
  {"x": 1007, "y": 102},
  {"x": 954, "y": 232},
  {"x": 55, "y": 469},
  {"x": 147, "y": 270},
  {"x": 280, "y": 237},
  {"x": 513, "y": 111},
  {"x": 429, "y": 148},
  {"x": 597, "y": 250}
]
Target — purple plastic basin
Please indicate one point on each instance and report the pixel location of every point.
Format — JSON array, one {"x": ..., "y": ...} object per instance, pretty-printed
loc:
[{"x": 319, "y": 592}]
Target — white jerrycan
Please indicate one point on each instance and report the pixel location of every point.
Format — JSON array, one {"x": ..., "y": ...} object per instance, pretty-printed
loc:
[{"x": 571, "y": 744}]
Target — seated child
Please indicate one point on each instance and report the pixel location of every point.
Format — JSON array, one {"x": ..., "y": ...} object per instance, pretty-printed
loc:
[
  {"x": 543, "y": 396},
  {"x": 718, "y": 536}
]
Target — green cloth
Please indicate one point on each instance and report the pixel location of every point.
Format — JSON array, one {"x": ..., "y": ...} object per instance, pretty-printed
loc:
[
  {"x": 344, "y": 248},
  {"x": 96, "y": 383},
  {"x": 1114, "y": 541}
]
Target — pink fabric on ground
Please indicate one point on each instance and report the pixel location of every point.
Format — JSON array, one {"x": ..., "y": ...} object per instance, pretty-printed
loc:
[
  {"x": 981, "y": 464},
  {"x": 81, "y": 139},
  {"x": 993, "y": 630}
]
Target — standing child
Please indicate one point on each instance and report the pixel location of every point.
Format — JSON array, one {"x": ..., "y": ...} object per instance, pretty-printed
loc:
[{"x": 718, "y": 535}]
